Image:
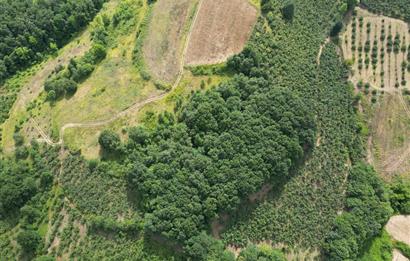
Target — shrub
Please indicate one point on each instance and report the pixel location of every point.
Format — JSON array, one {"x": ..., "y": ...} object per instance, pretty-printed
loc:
[
  {"x": 139, "y": 135},
  {"x": 29, "y": 240},
  {"x": 400, "y": 192},
  {"x": 109, "y": 141},
  {"x": 18, "y": 139},
  {"x": 21, "y": 152},
  {"x": 403, "y": 248},
  {"x": 98, "y": 53},
  {"x": 205, "y": 247},
  {"x": 261, "y": 253},
  {"x": 336, "y": 29},
  {"x": 288, "y": 12}
]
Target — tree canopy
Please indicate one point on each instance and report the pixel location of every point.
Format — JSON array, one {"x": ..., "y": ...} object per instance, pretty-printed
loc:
[
  {"x": 368, "y": 209},
  {"x": 29, "y": 28},
  {"x": 225, "y": 144}
]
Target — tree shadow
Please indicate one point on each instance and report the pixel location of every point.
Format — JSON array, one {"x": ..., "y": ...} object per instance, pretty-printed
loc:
[
  {"x": 156, "y": 244},
  {"x": 270, "y": 192}
]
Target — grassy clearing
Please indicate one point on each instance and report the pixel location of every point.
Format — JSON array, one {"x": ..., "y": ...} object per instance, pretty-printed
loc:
[
  {"x": 114, "y": 86},
  {"x": 86, "y": 139},
  {"x": 390, "y": 135},
  {"x": 30, "y": 83},
  {"x": 165, "y": 39},
  {"x": 379, "y": 249},
  {"x": 26, "y": 86}
]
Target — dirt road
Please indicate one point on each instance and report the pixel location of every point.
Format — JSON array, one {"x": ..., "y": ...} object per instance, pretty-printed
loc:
[{"x": 133, "y": 108}]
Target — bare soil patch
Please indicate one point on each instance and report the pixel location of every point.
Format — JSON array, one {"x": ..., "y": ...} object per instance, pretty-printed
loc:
[
  {"x": 164, "y": 42},
  {"x": 397, "y": 256},
  {"x": 221, "y": 30},
  {"x": 399, "y": 228}
]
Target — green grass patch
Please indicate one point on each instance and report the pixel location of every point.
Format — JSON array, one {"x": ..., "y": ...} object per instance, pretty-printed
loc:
[
  {"x": 255, "y": 3},
  {"x": 379, "y": 248},
  {"x": 42, "y": 229},
  {"x": 208, "y": 70},
  {"x": 403, "y": 248}
]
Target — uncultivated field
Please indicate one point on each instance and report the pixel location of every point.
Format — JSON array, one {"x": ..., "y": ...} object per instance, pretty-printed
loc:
[
  {"x": 113, "y": 87},
  {"x": 164, "y": 42},
  {"x": 221, "y": 30},
  {"x": 390, "y": 136}
]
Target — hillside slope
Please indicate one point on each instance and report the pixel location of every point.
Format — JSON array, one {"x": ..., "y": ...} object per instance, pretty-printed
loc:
[{"x": 107, "y": 156}]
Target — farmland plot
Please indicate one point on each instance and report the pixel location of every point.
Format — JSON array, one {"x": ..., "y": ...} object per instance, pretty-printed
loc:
[
  {"x": 165, "y": 39},
  {"x": 221, "y": 30},
  {"x": 378, "y": 47}
]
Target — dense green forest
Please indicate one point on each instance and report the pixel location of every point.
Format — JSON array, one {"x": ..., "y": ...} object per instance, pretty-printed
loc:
[
  {"x": 29, "y": 28},
  {"x": 303, "y": 210},
  {"x": 287, "y": 119},
  {"x": 25, "y": 190},
  {"x": 368, "y": 209}
]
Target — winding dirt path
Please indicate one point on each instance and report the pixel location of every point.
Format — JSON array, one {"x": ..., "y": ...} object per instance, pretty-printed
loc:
[
  {"x": 134, "y": 107},
  {"x": 319, "y": 55}
]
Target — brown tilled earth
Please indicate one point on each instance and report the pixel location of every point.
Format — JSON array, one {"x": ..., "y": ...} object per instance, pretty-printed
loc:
[
  {"x": 221, "y": 30},
  {"x": 164, "y": 43}
]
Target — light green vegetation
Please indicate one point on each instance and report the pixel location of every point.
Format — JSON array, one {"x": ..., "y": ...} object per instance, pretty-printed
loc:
[
  {"x": 379, "y": 248},
  {"x": 256, "y": 3},
  {"x": 390, "y": 134},
  {"x": 114, "y": 86},
  {"x": 23, "y": 88},
  {"x": 165, "y": 40},
  {"x": 28, "y": 85},
  {"x": 403, "y": 248},
  {"x": 86, "y": 139}
]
